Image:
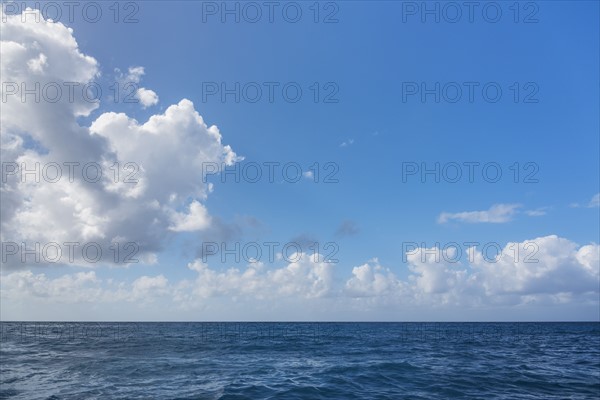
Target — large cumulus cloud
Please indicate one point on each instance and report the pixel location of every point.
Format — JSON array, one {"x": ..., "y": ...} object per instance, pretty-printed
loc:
[{"x": 159, "y": 187}]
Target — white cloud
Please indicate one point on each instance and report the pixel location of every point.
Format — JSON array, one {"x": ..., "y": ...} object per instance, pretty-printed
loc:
[
  {"x": 498, "y": 213},
  {"x": 80, "y": 287},
  {"x": 69, "y": 288},
  {"x": 371, "y": 279},
  {"x": 539, "y": 212},
  {"x": 197, "y": 219},
  {"x": 595, "y": 201},
  {"x": 165, "y": 154},
  {"x": 432, "y": 273},
  {"x": 544, "y": 265},
  {"x": 147, "y": 287},
  {"x": 147, "y": 97},
  {"x": 308, "y": 174},
  {"x": 307, "y": 277},
  {"x": 546, "y": 271},
  {"x": 131, "y": 81},
  {"x": 135, "y": 74}
]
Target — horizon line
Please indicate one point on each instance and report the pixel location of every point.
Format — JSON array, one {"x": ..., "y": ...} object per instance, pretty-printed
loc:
[{"x": 292, "y": 322}]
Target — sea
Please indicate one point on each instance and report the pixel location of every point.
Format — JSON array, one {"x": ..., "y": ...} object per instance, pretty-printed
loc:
[{"x": 299, "y": 360}]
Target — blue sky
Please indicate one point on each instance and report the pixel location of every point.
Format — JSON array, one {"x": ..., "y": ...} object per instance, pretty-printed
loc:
[{"x": 369, "y": 56}]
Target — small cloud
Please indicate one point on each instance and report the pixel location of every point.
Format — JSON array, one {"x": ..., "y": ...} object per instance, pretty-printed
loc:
[
  {"x": 135, "y": 74},
  {"x": 347, "y": 228},
  {"x": 349, "y": 142},
  {"x": 147, "y": 97},
  {"x": 498, "y": 213},
  {"x": 133, "y": 77},
  {"x": 308, "y": 174},
  {"x": 595, "y": 201},
  {"x": 537, "y": 212},
  {"x": 197, "y": 219}
]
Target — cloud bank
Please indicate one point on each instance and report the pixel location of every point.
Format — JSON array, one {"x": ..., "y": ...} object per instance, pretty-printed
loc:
[{"x": 561, "y": 273}]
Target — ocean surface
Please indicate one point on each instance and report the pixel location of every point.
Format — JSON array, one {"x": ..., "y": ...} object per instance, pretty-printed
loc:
[{"x": 300, "y": 360}]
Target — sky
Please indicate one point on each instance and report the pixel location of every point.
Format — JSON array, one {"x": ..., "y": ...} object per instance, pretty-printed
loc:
[{"x": 322, "y": 161}]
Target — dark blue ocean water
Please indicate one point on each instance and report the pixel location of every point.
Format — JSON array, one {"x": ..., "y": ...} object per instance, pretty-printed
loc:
[{"x": 300, "y": 360}]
